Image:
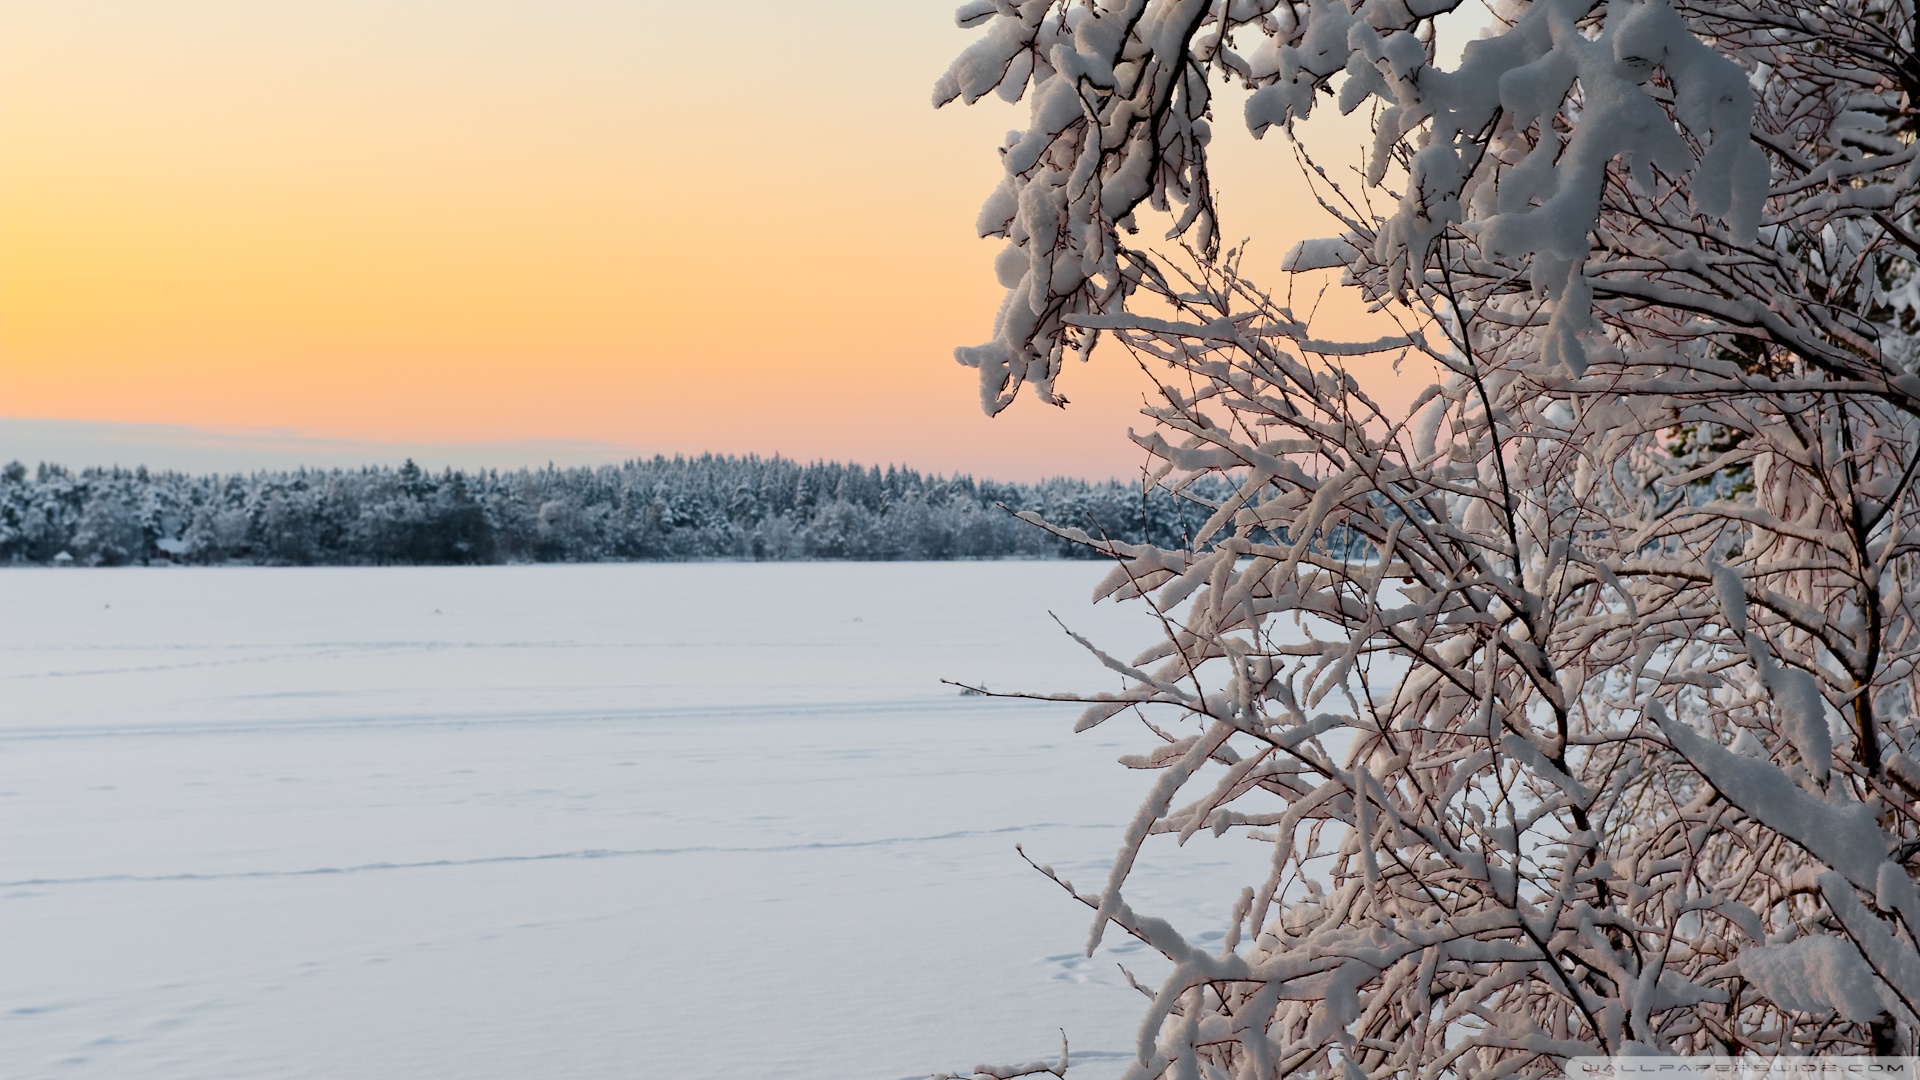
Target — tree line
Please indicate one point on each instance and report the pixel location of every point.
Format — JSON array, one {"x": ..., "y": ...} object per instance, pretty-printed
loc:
[{"x": 679, "y": 508}]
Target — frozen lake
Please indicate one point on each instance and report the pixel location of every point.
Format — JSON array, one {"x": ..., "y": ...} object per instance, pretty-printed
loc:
[{"x": 625, "y": 820}]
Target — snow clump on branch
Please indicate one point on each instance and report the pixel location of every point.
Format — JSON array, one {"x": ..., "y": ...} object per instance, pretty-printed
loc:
[{"x": 1575, "y": 702}]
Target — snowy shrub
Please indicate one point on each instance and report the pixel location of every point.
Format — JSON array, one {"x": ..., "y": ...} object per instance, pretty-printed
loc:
[{"x": 1600, "y": 739}]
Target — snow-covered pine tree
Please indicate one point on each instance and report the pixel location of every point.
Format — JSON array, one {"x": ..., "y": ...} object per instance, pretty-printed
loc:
[{"x": 1576, "y": 702}]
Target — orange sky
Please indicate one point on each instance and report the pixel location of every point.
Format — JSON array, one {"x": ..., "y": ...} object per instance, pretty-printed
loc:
[{"x": 454, "y": 222}]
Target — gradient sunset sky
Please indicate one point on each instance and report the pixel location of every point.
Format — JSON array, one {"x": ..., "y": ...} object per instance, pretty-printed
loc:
[{"x": 670, "y": 227}]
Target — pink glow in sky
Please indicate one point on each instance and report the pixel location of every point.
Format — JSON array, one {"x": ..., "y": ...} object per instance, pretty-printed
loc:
[{"x": 424, "y": 221}]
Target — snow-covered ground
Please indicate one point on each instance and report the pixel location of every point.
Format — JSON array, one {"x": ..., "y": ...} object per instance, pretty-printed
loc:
[{"x": 710, "y": 820}]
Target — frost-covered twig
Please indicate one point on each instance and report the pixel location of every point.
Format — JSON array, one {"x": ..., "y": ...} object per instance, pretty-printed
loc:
[
  {"x": 1009, "y": 1072},
  {"x": 1576, "y": 702}
]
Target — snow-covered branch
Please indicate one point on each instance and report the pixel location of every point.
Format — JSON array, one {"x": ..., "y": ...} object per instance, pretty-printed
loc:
[{"x": 1575, "y": 704}]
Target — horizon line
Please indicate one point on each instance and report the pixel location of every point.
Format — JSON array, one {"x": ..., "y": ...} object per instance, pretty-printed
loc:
[{"x": 80, "y": 445}]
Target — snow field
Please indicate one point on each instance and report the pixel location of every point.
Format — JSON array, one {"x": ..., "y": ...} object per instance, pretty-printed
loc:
[{"x": 566, "y": 821}]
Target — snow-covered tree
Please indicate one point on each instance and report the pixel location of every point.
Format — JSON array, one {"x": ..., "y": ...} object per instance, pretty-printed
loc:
[
  {"x": 109, "y": 533},
  {"x": 706, "y": 507},
  {"x": 1576, "y": 702}
]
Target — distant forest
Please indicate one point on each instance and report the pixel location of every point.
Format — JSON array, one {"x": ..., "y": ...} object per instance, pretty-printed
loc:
[{"x": 660, "y": 509}]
